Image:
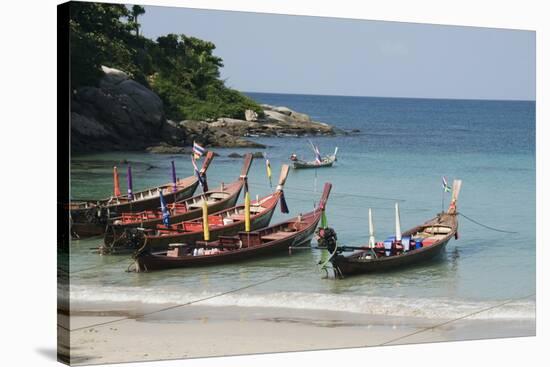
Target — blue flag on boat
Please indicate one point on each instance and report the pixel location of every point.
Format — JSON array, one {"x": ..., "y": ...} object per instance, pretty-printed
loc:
[
  {"x": 317, "y": 155},
  {"x": 165, "y": 211},
  {"x": 316, "y": 151},
  {"x": 201, "y": 178}
]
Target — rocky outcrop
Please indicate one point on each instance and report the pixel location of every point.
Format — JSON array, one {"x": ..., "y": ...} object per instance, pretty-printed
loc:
[
  {"x": 215, "y": 134},
  {"x": 277, "y": 121},
  {"x": 122, "y": 114},
  {"x": 118, "y": 114}
]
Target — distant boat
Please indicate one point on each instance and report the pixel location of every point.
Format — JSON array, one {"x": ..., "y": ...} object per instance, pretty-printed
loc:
[
  {"x": 421, "y": 243},
  {"x": 326, "y": 161}
]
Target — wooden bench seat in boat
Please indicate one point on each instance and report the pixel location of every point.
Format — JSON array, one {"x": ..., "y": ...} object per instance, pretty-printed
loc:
[
  {"x": 198, "y": 204},
  {"x": 276, "y": 236},
  {"x": 250, "y": 238},
  {"x": 173, "y": 245},
  {"x": 228, "y": 240},
  {"x": 177, "y": 250},
  {"x": 219, "y": 195},
  {"x": 237, "y": 217},
  {"x": 437, "y": 230},
  {"x": 233, "y": 244}
]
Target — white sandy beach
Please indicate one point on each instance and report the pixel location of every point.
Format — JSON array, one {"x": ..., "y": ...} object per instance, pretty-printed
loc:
[{"x": 205, "y": 331}]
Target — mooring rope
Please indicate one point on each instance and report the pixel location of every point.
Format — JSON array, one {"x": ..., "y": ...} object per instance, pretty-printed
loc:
[
  {"x": 485, "y": 226},
  {"x": 183, "y": 304},
  {"x": 61, "y": 268},
  {"x": 456, "y": 319}
]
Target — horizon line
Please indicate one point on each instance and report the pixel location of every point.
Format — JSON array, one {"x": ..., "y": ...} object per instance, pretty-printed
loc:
[{"x": 396, "y": 97}]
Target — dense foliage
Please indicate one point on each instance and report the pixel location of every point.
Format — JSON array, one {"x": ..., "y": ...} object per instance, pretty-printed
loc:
[{"x": 182, "y": 70}]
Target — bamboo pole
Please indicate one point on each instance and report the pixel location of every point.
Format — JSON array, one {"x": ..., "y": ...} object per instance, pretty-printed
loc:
[
  {"x": 205, "y": 228},
  {"x": 247, "y": 212}
]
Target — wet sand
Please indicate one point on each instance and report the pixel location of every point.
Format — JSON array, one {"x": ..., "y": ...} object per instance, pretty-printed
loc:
[{"x": 207, "y": 331}]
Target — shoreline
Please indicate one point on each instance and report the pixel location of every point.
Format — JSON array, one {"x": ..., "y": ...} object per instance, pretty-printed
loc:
[{"x": 195, "y": 331}]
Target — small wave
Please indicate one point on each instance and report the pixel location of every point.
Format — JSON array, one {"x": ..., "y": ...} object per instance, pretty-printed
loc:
[{"x": 431, "y": 308}]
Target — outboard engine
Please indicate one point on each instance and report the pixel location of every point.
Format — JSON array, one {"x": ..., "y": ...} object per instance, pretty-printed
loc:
[
  {"x": 128, "y": 239},
  {"x": 134, "y": 238},
  {"x": 94, "y": 215},
  {"x": 326, "y": 238}
]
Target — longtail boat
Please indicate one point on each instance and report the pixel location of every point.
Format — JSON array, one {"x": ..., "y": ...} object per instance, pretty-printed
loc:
[
  {"x": 219, "y": 199},
  {"x": 226, "y": 222},
  {"x": 90, "y": 218},
  {"x": 294, "y": 232},
  {"x": 326, "y": 161},
  {"x": 418, "y": 244}
]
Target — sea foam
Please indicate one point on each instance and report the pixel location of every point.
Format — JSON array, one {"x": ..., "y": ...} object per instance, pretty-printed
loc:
[{"x": 431, "y": 308}]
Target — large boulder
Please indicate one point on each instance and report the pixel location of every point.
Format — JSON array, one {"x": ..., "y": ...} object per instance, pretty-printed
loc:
[{"x": 121, "y": 112}]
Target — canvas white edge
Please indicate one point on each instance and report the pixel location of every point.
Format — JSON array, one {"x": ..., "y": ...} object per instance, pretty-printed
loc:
[{"x": 28, "y": 144}]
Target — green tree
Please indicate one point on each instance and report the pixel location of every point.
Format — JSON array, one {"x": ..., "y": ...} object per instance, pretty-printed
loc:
[
  {"x": 98, "y": 36},
  {"x": 182, "y": 70},
  {"x": 137, "y": 10}
]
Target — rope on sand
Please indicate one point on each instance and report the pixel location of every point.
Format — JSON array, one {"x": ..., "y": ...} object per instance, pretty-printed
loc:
[{"x": 457, "y": 319}]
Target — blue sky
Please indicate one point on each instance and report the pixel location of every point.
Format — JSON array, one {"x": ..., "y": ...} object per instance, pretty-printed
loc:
[{"x": 314, "y": 55}]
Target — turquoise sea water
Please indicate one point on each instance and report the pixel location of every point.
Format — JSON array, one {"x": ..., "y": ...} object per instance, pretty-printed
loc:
[{"x": 403, "y": 148}]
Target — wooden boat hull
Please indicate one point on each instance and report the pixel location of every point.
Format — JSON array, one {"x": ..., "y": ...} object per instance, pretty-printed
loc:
[
  {"x": 356, "y": 264},
  {"x": 86, "y": 222},
  {"x": 87, "y": 229},
  {"x": 299, "y": 165},
  {"x": 219, "y": 199},
  {"x": 99, "y": 212},
  {"x": 192, "y": 214},
  {"x": 152, "y": 261},
  {"x": 327, "y": 162},
  {"x": 389, "y": 263},
  {"x": 159, "y": 243},
  {"x": 294, "y": 232}
]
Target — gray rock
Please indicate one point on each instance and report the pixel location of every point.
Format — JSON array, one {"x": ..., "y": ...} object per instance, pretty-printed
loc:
[
  {"x": 87, "y": 126},
  {"x": 250, "y": 115},
  {"x": 164, "y": 148},
  {"x": 274, "y": 116},
  {"x": 119, "y": 114},
  {"x": 284, "y": 110},
  {"x": 234, "y": 155},
  {"x": 300, "y": 117}
]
